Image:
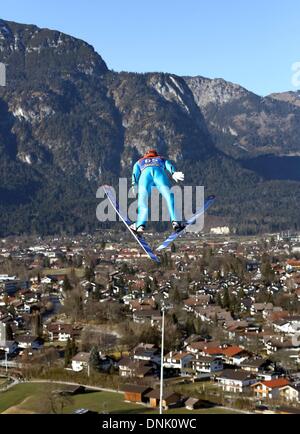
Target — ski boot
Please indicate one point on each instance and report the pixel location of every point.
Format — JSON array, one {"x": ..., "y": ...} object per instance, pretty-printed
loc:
[
  {"x": 178, "y": 226},
  {"x": 138, "y": 231}
]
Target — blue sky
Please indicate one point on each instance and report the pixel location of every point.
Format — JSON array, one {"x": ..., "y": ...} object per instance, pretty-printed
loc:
[{"x": 253, "y": 43}]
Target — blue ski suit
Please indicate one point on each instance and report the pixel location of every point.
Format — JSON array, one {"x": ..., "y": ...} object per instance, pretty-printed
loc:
[{"x": 148, "y": 173}]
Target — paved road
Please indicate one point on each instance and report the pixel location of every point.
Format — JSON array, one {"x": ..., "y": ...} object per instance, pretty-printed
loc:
[
  {"x": 69, "y": 383},
  {"x": 10, "y": 385}
]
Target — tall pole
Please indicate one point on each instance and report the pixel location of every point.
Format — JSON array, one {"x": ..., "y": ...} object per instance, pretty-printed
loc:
[{"x": 162, "y": 360}]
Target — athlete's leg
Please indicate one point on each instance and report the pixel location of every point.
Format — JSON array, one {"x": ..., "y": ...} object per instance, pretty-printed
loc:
[
  {"x": 163, "y": 185},
  {"x": 145, "y": 185}
]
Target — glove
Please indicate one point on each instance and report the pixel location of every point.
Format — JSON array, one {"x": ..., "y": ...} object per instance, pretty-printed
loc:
[
  {"x": 134, "y": 190},
  {"x": 178, "y": 176}
]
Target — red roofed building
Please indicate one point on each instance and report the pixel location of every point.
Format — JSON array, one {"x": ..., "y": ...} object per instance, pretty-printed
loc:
[
  {"x": 270, "y": 389},
  {"x": 235, "y": 355},
  {"x": 232, "y": 355},
  {"x": 213, "y": 351},
  {"x": 293, "y": 264}
]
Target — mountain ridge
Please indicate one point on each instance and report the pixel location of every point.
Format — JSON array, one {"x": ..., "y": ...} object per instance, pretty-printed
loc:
[{"x": 68, "y": 124}]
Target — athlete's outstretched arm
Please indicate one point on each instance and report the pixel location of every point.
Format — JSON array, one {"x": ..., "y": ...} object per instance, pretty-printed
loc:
[
  {"x": 177, "y": 176},
  {"x": 170, "y": 167},
  {"x": 136, "y": 173}
]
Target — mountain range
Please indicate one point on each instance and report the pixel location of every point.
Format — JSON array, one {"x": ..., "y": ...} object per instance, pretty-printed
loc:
[{"x": 69, "y": 124}]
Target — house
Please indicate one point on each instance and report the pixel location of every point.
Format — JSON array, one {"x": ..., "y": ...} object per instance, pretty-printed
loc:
[
  {"x": 47, "y": 280},
  {"x": 143, "y": 316},
  {"x": 193, "y": 403},
  {"x": 80, "y": 361},
  {"x": 269, "y": 389},
  {"x": 29, "y": 342},
  {"x": 12, "y": 286},
  {"x": 280, "y": 343},
  {"x": 147, "y": 353},
  {"x": 201, "y": 345},
  {"x": 195, "y": 347},
  {"x": 261, "y": 309},
  {"x": 128, "y": 367},
  {"x": 106, "y": 362},
  {"x": 177, "y": 360},
  {"x": 62, "y": 332},
  {"x": 246, "y": 304},
  {"x": 235, "y": 355},
  {"x": 199, "y": 300},
  {"x": 142, "y": 304},
  {"x": 292, "y": 265},
  {"x": 235, "y": 327},
  {"x": 9, "y": 347},
  {"x": 192, "y": 338},
  {"x": 169, "y": 399},
  {"x": 255, "y": 366},
  {"x": 289, "y": 326},
  {"x": 211, "y": 313},
  {"x": 290, "y": 393},
  {"x": 212, "y": 351},
  {"x": 206, "y": 365},
  {"x": 235, "y": 381},
  {"x": 135, "y": 393}
]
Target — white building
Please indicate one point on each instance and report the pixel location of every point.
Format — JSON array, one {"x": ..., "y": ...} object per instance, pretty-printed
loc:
[
  {"x": 220, "y": 230},
  {"x": 290, "y": 327},
  {"x": 235, "y": 381},
  {"x": 177, "y": 360},
  {"x": 80, "y": 361},
  {"x": 206, "y": 364}
]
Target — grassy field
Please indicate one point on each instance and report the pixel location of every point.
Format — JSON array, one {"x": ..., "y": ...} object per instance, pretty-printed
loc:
[{"x": 34, "y": 398}]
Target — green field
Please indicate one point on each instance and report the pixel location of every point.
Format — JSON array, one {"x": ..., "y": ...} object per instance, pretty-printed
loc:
[{"x": 34, "y": 398}]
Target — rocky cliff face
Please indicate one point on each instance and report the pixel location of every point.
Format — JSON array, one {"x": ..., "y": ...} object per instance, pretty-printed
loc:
[
  {"x": 245, "y": 125},
  {"x": 68, "y": 124},
  {"x": 30, "y": 52},
  {"x": 159, "y": 110},
  {"x": 290, "y": 97}
]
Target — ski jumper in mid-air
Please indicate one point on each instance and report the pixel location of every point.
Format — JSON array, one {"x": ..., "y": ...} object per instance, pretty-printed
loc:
[{"x": 152, "y": 171}]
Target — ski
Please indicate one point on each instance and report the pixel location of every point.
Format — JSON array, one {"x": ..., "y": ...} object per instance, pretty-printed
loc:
[
  {"x": 141, "y": 241},
  {"x": 209, "y": 201}
]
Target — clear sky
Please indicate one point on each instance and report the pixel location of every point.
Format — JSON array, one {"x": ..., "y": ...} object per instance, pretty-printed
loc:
[{"x": 253, "y": 43}]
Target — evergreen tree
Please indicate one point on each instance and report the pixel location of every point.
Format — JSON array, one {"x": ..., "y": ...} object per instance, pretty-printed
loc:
[
  {"x": 216, "y": 321},
  {"x": 219, "y": 300},
  {"x": 148, "y": 285},
  {"x": 73, "y": 347},
  {"x": 9, "y": 332},
  {"x": 89, "y": 274},
  {"x": 97, "y": 292},
  {"x": 66, "y": 284},
  {"x": 46, "y": 262},
  {"x": 68, "y": 356},
  {"x": 94, "y": 361},
  {"x": 267, "y": 272},
  {"x": 226, "y": 299}
]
